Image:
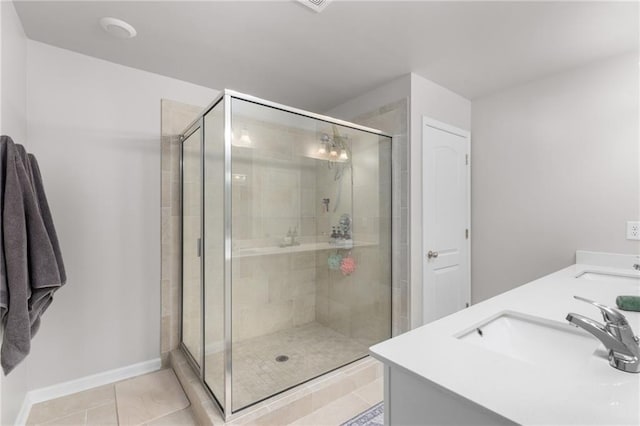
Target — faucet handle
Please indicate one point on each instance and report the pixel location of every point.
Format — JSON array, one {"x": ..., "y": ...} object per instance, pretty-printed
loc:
[{"x": 610, "y": 315}]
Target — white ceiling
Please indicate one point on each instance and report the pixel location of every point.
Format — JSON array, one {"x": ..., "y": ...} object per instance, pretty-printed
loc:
[{"x": 283, "y": 51}]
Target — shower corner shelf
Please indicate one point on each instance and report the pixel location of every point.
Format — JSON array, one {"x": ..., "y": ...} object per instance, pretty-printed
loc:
[{"x": 266, "y": 251}]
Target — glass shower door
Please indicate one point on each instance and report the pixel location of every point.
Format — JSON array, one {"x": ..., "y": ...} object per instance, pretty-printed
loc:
[
  {"x": 191, "y": 246},
  {"x": 310, "y": 258}
]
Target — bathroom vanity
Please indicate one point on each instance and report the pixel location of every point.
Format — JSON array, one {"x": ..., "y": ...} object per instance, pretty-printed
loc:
[{"x": 514, "y": 359}]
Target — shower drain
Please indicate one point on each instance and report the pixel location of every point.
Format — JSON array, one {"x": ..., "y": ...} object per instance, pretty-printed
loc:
[{"x": 282, "y": 358}]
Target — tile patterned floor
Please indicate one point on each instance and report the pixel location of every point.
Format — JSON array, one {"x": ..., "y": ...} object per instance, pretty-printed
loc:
[
  {"x": 148, "y": 398},
  {"x": 101, "y": 406},
  {"x": 77, "y": 408},
  {"x": 158, "y": 399},
  {"x": 345, "y": 408},
  {"x": 151, "y": 399},
  {"x": 313, "y": 349}
]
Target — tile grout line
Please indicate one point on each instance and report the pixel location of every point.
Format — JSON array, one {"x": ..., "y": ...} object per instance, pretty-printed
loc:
[
  {"x": 354, "y": 393},
  {"x": 177, "y": 410},
  {"x": 164, "y": 415},
  {"x": 71, "y": 413},
  {"x": 116, "y": 402}
]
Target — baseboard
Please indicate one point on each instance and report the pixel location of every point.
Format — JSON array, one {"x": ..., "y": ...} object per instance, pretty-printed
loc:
[
  {"x": 78, "y": 385},
  {"x": 23, "y": 414}
]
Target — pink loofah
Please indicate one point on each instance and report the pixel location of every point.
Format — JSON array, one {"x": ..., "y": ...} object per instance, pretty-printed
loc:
[{"x": 348, "y": 265}]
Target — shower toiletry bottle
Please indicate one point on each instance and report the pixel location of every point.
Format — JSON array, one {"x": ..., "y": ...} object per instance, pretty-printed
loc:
[
  {"x": 286, "y": 241},
  {"x": 347, "y": 240},
  {"x": 334, "y": 235}
]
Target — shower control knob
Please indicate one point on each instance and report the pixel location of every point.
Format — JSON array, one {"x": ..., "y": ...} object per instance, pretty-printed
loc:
[{"x": 432, "y": 254}]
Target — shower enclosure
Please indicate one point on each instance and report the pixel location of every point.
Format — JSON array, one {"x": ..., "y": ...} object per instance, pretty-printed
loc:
[{"x": 286, "y": 246}]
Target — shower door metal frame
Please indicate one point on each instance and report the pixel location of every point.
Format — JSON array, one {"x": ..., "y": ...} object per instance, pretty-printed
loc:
[
  {"x": 228, "y": 341},
  {"x": 226, "y": 97}
]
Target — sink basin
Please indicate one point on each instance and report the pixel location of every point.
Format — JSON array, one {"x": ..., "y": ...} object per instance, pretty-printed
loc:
[
  {"x": 604, "y": 276},
  {"x": 535, "y": 341}
]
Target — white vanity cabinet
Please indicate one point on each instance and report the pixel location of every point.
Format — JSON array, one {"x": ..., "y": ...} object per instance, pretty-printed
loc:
[{"x": 526, "y": 365}]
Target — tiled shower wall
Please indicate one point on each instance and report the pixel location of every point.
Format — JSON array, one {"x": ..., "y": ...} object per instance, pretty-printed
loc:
[
  {"x": 277, "y": 291},
  {"x": 359, "y": 305},
  {"x": 282, "y": 189},
  {"x": 272, "y": 293},
  {"x": 393, "y": 119}
]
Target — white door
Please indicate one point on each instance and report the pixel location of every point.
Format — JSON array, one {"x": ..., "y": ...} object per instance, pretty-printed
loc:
[{"x": 445, "y": 214}]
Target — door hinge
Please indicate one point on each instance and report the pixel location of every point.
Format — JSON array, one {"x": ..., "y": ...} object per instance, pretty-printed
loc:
[
  {"x": 199, "y": 247},
  {"x": 466, "y": 234},
  {"x": 466, "y": 159}
]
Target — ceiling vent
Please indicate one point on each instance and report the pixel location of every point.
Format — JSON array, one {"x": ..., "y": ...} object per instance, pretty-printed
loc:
[
  {"x": 315, "y": 5},
  {"x": 118, "y": 28}
]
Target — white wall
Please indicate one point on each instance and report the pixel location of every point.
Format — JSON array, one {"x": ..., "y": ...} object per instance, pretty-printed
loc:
[
  {"x": 555, "y": 168},
  {"x": 434, "y": 101},
  {"x": 13, "y": 45},
  {"x": 95, "y": 128},
  {"x": 13, "y": 60},
  {"x": 426, "y": 99}
]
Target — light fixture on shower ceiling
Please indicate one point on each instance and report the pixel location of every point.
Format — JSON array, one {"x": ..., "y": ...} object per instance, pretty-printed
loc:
[
  {"x": 324, "y": 142},
  {"x": 333, "y": 148},
  {"x": 239, "y": 178},
  {"x": 245, "y": 139},
  {"x": 118, "y": 28}
]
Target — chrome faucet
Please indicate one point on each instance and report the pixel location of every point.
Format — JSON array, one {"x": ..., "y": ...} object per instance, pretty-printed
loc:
[{"x": 616, "y": 335}]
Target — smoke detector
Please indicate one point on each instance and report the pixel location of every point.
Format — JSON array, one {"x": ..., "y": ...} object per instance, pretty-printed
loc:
[
  {"x": 118, "y": 28},
  {"x": 315, "y": 5}
]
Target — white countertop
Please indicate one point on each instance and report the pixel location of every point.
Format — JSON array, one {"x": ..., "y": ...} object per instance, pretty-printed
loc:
[{"x": 521, "y": 392}]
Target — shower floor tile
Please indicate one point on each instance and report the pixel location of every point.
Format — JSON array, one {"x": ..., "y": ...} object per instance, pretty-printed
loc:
[{"x": 312, "y": 349}]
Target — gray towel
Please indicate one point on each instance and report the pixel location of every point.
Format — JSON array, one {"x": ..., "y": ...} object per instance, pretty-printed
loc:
[
  {"x": 45, "y": 212},
  {"x": 41, "y": 298},
  {"x": 4, "y": 291},
  {"x": 33, "y": 266}
]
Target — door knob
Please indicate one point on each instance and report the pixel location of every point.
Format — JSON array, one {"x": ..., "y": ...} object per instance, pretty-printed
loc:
[{"x": 432, "y": 254}]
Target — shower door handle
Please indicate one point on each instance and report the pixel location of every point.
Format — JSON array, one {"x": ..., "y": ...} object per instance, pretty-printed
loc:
[{"x": 199, "y": 247}]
